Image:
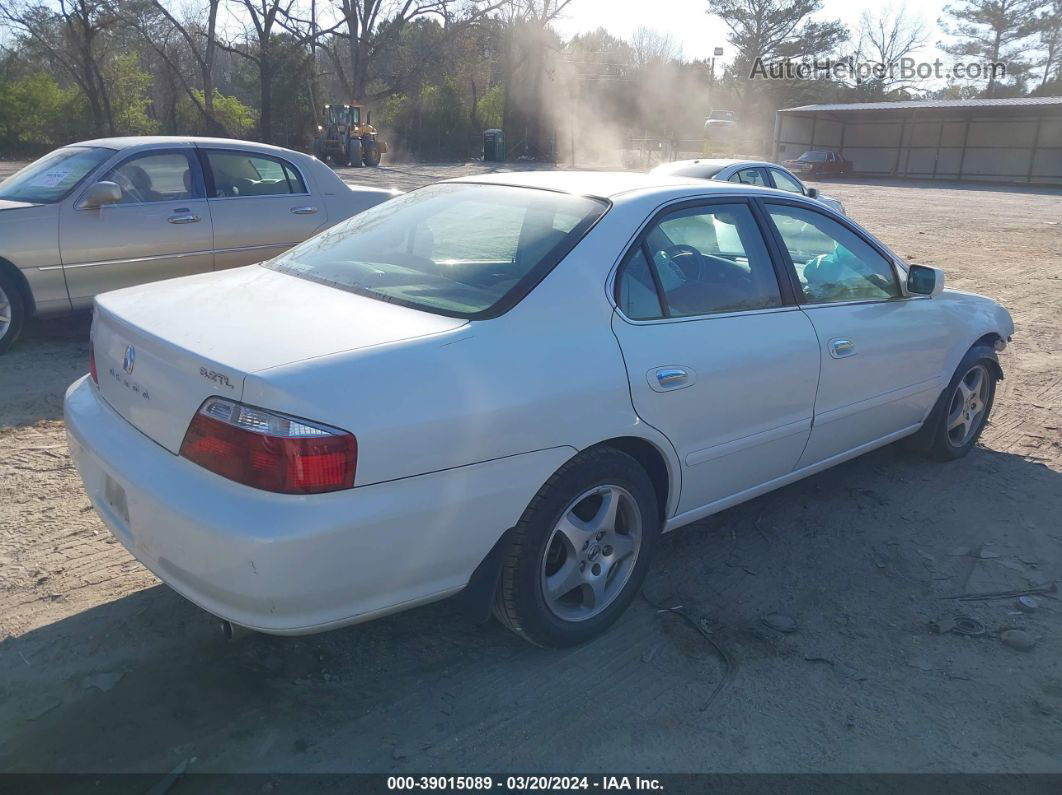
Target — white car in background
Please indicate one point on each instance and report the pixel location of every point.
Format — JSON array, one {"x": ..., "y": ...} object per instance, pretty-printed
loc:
[
  {"x": 508, "y": 385},
  {"x": 747, "y": 172},
  {"x": 100, "y": 215}
]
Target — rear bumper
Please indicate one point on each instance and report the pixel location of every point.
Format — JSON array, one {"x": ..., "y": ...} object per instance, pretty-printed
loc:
[{"x": 291, "y": 564}]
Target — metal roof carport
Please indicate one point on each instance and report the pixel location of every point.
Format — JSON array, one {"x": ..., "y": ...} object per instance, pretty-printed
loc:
[{"x": 1003, "y": 140}]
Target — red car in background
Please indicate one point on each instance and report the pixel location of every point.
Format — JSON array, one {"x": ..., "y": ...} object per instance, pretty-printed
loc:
[{"x": 817, "y": 162}]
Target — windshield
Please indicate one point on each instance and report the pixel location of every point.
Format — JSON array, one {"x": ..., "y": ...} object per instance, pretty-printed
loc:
[
  {"x": 464, "y": 250},
  {"x": 51, "y": 178},
  {"x": 721, "y": 115},
  {"x": 813, "y": 157}
]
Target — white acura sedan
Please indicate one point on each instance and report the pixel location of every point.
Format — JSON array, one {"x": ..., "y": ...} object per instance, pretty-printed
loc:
[{"x": 508, "y": 385}]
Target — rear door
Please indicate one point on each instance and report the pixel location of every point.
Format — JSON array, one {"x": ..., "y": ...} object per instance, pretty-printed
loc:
[
  {"x": 260, "y": 204},
  {"x": 158, "y": 230},
  {"x": 883, "y": 355},
  {"x": 718, "y": 356}
]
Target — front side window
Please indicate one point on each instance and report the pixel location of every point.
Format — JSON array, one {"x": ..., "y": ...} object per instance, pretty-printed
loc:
[
  {"x": 703, "y": 260},
  {"x": 783, "y": 181},
  {"x": 153, "y": 177},
  {"x": 456, "y": 249},
  {"x": 832, "y": 262},
  {"x": 245, "y": 174},
  {"x": 51, "y": 178},
  {"x": 749, "y": 176},
  {"x": 813, "y": 157}
]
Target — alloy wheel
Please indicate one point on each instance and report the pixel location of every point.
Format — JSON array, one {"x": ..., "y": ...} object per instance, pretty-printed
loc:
[
  {"x": 591, "y": 553},
  {"x": 6, "y": 313},
  {"x": 968, "y": 404}
]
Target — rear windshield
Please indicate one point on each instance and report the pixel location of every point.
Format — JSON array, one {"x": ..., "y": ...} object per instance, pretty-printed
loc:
[
  {"x": 698, "y": 171},
  {"x": 52, "y": 177},
  {"x": 464, "y": 250}
]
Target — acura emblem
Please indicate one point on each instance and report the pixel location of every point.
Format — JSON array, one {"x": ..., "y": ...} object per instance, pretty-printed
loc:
[{"x": 129, "y": 362}]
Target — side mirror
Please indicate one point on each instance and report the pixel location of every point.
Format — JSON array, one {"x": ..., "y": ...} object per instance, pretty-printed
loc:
[
  {"x": 925, "y": 280},
  {"x": 813, "y": 193},
  {"x": 102, "y": 193}
]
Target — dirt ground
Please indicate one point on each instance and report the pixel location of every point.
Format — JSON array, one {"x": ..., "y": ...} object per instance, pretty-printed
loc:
[{"x": 102, "y": 668}]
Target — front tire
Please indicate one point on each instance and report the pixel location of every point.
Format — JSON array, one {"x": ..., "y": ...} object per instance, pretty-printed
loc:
[
  {"x": 354, "y": 153},
  {"x": 963, "y": 408},
  {"x": 580, "y": 551},
  {"x": 12, "y": 311}
]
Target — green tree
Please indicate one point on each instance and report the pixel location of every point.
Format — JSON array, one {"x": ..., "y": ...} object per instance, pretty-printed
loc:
[
  {"x": 129, "y": 87},
  {"x": 993, "y": 31}
]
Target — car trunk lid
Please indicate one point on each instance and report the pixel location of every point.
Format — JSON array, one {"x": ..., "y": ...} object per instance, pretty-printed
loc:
[{"x": 162, "y": 349}]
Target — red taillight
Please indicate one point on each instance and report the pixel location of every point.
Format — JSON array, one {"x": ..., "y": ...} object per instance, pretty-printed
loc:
[
  {"x": 92, "y": 365},
  {"x": 270, "y": 451}
]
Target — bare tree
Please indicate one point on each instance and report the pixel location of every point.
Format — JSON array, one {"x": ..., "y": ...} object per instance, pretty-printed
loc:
[
  {"x": 653, "y": 47},
  {"x": 201, "y": 44},
  {"x": 886, "y": 38},
  {"x": 370, "y": 26},
  {"x": 71, "y": 35},
  {"x": 275, "y": 37}
]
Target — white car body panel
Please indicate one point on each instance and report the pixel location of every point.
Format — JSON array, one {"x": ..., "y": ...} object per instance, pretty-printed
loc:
[
  {"x": 290, "y": 564},
  {"x": 772, "y": 355},
  {"x": 459, "y": 423}
]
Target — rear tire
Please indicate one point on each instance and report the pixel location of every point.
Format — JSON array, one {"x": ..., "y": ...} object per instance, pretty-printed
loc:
[
  {"x": 580, "y": 551},
  {"x": 12, "y": 311},
  {"x": 963, "y": 408},
  {"x": 354, "y": 153}
]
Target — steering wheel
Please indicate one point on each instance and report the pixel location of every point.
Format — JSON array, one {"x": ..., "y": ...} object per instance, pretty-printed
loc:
[
  {"x": 127, "y": 186},
  {"x": 686, "y": 262}
]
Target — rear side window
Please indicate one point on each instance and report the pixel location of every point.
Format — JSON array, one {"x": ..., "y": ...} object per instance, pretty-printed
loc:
[
  {"x": 465, "y": 250},
  {"x": 701, "y": 261},
  {"x": 245, "y": 174}
]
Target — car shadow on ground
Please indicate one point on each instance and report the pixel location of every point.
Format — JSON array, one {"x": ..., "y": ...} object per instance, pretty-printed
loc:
[
  {"x": 862, "y": 558},
  {"x": 51, "y": 354}
]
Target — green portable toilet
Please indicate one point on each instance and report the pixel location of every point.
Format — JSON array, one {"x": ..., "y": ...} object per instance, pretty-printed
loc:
[{"x": 493, "y": 146}]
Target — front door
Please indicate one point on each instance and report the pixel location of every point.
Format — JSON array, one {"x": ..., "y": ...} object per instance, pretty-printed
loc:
[
  {"x": 159, "y": 229},
  {"x": 717, "y": 361},
  {"x": 261, "y": 206},
  {"x": 883, "y": 355}
]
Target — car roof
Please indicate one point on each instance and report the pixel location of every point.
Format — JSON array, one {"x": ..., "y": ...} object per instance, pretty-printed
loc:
[
  {"x": 602, "y": 184},
  {"x": 148, "y": 141},
  {"x": 707, "y": 164}
]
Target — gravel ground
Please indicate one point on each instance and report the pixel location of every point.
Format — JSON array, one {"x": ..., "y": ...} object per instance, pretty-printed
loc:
[{"x": 104, "y": 669}]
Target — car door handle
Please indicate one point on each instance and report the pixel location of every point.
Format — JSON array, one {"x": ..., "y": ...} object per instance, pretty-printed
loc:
[
  {"x": 665, "y": 379},
  {"x": 841, "y": 347},
  {"x": 183, "y": 219},
  {"x": 304, "y": 210}
]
